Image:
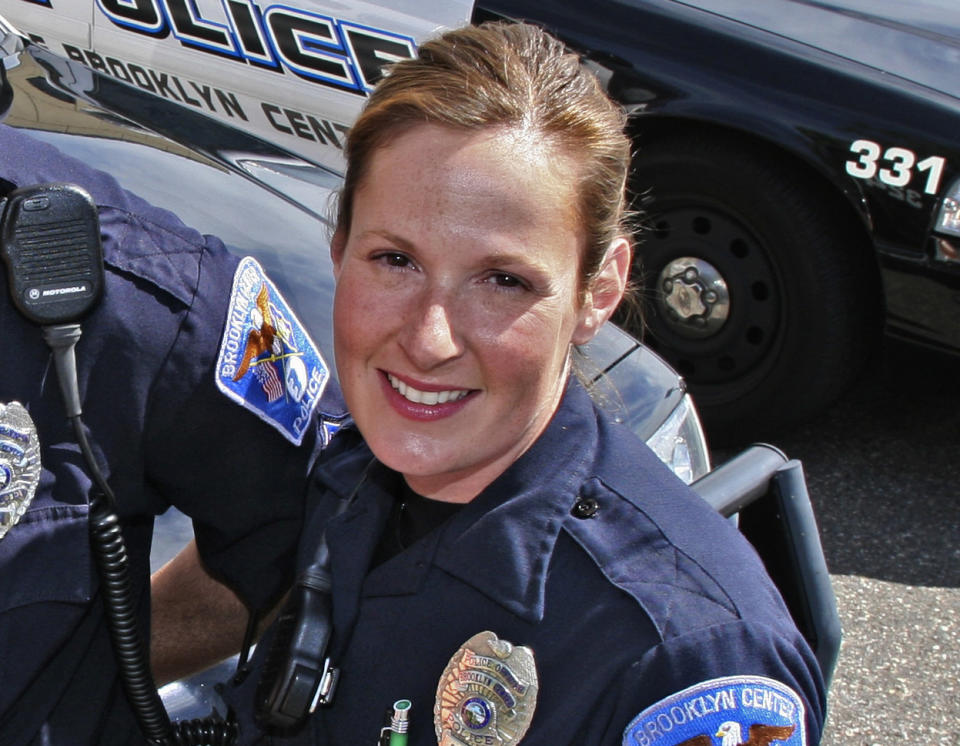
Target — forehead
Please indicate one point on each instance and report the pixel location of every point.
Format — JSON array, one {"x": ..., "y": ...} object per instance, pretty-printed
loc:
[{"x": 505, "y": 173}]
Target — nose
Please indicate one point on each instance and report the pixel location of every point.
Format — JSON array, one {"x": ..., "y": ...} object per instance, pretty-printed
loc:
[{"x": 430, "y": 338}]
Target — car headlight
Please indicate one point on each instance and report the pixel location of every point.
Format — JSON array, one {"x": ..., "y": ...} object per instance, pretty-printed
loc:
[
  {"x": 948, "y": 220},
  {"x": 680, "y": 443}
]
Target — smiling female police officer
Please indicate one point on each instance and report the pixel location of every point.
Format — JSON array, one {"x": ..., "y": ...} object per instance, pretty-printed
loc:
[
  {"x": 507, "y": 564},
  {"x": 170, "y": 422}
]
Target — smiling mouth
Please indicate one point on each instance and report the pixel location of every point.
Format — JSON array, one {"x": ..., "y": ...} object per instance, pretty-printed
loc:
[{"x": 430, "y": 398}]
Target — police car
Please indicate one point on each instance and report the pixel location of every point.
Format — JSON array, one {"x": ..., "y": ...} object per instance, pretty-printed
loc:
[
  {"x": 797, "y": 162},
  {"x": 799, "y": 166},
  {"x": 223, "y": 159}
]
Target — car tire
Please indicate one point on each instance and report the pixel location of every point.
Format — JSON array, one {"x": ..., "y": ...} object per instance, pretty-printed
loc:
[{"x": 760, "y": 290}]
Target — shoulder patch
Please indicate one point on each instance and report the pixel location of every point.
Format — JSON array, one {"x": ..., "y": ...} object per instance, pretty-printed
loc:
[
  {"x": 267, "y": 362},
  {"x": 729, "y": 711}
]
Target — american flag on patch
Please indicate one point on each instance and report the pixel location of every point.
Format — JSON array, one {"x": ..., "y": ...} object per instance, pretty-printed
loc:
[{"x": 266, "y": 374}]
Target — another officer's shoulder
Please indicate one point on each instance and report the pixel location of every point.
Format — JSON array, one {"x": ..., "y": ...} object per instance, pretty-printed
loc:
[
  {"x": 155, "y": 246},
  {"x": 140, "y": 240}
]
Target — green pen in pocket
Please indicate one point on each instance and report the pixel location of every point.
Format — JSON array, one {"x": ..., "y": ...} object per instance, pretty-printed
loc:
[{"x": 395, "y": 734}]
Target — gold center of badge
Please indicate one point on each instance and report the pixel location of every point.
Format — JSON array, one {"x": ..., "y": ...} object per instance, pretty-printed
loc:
[{"x": 487, "y": 693}]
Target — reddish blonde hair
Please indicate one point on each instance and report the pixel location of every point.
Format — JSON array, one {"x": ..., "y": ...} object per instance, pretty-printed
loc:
[{"x": 509, "y": 75}]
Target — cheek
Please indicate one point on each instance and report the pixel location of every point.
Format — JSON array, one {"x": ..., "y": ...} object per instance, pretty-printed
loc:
[
  {"x": 353, "y": 323},
  {"x": 352, "y": 350},
  {"x": 529, "y": 353}
]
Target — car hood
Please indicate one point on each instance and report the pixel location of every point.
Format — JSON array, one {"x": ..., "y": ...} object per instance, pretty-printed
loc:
[{"x": 918, "y": 41}]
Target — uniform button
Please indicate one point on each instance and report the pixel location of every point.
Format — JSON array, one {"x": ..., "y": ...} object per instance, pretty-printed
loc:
[{"x": 586, "y": 507}]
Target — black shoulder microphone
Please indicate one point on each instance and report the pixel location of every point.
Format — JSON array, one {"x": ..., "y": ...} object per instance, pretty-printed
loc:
[
  {"x": 298, "y": 675},
  {"x": 51, "y": 244}
]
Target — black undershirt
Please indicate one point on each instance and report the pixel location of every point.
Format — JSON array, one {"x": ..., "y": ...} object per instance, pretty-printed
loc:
[{"x": 411, "y": 517}]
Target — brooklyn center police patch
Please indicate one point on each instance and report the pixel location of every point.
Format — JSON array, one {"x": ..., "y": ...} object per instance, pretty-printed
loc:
[
  {"x": 730, "y": 711},
  {"x": 267, "y": 361}
]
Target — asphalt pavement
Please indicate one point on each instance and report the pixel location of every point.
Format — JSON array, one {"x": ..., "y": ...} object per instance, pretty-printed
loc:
[{"x": 883, "y": 471}]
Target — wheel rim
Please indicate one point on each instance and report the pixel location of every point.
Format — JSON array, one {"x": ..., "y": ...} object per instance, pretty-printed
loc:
[
  {"x": 715, "y": 304},
  {"x": 693, "y": 299}
]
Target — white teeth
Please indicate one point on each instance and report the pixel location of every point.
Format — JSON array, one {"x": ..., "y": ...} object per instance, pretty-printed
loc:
[{"x": 425, "y": 397}]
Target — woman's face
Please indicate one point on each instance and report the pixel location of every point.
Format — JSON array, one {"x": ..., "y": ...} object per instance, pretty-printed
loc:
[{"x": 457, "y": 302}]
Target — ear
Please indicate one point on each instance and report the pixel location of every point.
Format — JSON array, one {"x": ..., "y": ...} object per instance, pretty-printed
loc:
[
  {"x": 337, "y": 246},
  {"x": 605, "y": 292}
]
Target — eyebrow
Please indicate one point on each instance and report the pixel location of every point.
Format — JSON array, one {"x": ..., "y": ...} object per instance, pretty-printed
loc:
[{"x": 400, "y": 241}]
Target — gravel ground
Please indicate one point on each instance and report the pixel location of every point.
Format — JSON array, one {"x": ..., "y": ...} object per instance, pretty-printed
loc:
[
  {"x": 883, "y": 472},
  {"x": 897, "y": 680}
]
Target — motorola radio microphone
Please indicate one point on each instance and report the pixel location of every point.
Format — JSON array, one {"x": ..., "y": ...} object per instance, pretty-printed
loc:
[
  {"x": 51, "y": 244},
  {"x": 50, "y": 241}
]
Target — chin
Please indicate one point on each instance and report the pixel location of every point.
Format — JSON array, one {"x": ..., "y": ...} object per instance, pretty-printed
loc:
[{"x": 415, "y": 457}]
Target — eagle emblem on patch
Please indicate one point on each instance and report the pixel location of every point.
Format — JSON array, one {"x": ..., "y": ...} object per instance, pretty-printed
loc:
[
  {"x": 19, "y": 464},
  {"x": 487, "y": 694},
  {"x": 729, "y": 711},
  {"x": 267, "y": 361}
]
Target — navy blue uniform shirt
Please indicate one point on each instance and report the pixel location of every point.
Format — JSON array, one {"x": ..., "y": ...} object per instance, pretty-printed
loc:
[
  {"x": 163, "y": 434},
  {"x": 627, "y": 589}
]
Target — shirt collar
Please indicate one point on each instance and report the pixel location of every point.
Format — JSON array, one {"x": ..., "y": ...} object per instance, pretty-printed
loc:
[{"x": 501, "y": 543}]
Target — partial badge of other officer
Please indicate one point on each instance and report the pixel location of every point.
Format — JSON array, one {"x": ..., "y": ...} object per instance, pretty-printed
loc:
[{"x": 19, "y": 464}]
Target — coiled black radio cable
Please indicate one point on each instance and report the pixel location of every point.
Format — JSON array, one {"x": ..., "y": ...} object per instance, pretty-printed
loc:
[{"x": 109, "y": 550}]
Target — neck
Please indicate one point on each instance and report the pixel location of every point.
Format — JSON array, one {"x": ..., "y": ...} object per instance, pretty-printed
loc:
[
  {"x": 464, "y": 485},
  {"x": 455, "y": 488}
]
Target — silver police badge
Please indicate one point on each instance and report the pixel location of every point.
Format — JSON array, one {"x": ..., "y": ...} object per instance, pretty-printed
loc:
[
  {"x": 19, "y": 464},
  {"x": 487, "y": 694}
]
